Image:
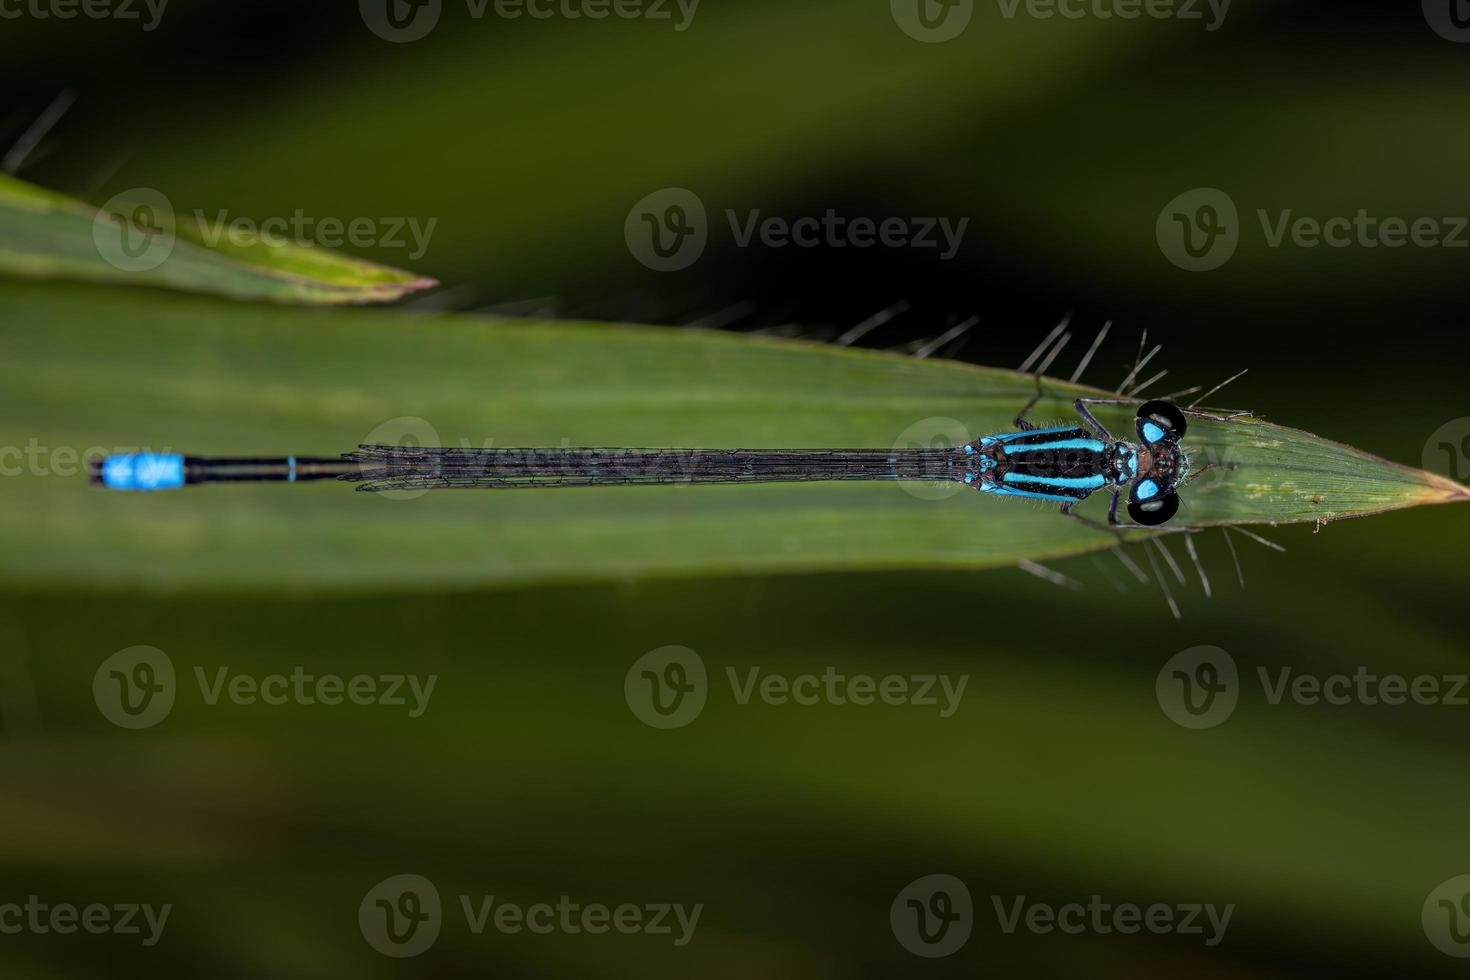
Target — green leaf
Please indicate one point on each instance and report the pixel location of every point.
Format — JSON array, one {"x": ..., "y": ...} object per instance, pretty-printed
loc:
[
  {"x": 90, "y": 371},
  {"x": 1279, "y": 475},
  {"x": 44, "y": 235}
]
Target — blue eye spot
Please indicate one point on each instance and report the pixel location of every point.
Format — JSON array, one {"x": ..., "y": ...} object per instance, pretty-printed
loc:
[
  {"x": 1152, "y": 432},
  {"x": 1147, "y": 490}
]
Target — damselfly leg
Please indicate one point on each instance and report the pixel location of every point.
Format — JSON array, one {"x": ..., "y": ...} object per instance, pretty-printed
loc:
[{"x": 1112, "y": 526}]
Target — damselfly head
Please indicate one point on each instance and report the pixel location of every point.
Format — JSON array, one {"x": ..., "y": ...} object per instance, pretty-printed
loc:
[{"x": 1162, "y": 464}]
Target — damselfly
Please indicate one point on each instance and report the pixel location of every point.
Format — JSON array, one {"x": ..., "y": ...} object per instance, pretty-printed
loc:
[{"x": 1062, "y": 465}]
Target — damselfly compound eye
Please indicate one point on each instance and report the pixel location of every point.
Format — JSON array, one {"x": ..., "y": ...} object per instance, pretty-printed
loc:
[
  {"x": 1154, "y": 511},
  {"x": 1159, "y": 420}
]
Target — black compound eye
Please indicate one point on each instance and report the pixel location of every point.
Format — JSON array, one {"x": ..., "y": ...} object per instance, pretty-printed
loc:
[
  {"x": 1158, "y": 420},
  {"x": 1153, "y": 512}
]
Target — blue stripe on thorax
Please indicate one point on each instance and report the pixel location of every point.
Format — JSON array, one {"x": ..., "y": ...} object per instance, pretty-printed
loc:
[
  {"x": 1091, "y": 445},
  {"x": 1008, "y": 436},
  {"x": 1062, "y": 482}
]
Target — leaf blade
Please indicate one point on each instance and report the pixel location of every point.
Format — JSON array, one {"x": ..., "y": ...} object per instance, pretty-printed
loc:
[
  {"x": 44, "y": 235},
  {"x": 109, "y": 370}
]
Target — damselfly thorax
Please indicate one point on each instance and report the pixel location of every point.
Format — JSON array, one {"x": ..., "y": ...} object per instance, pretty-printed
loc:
[{"x": 1067, "y": 464}]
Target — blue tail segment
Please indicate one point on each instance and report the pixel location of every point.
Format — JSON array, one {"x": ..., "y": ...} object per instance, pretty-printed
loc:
[{"x": 142, "y": 471}]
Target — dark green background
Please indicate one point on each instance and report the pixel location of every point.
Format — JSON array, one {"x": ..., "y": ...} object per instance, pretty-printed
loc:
[{"x": 529, "y": 777}]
